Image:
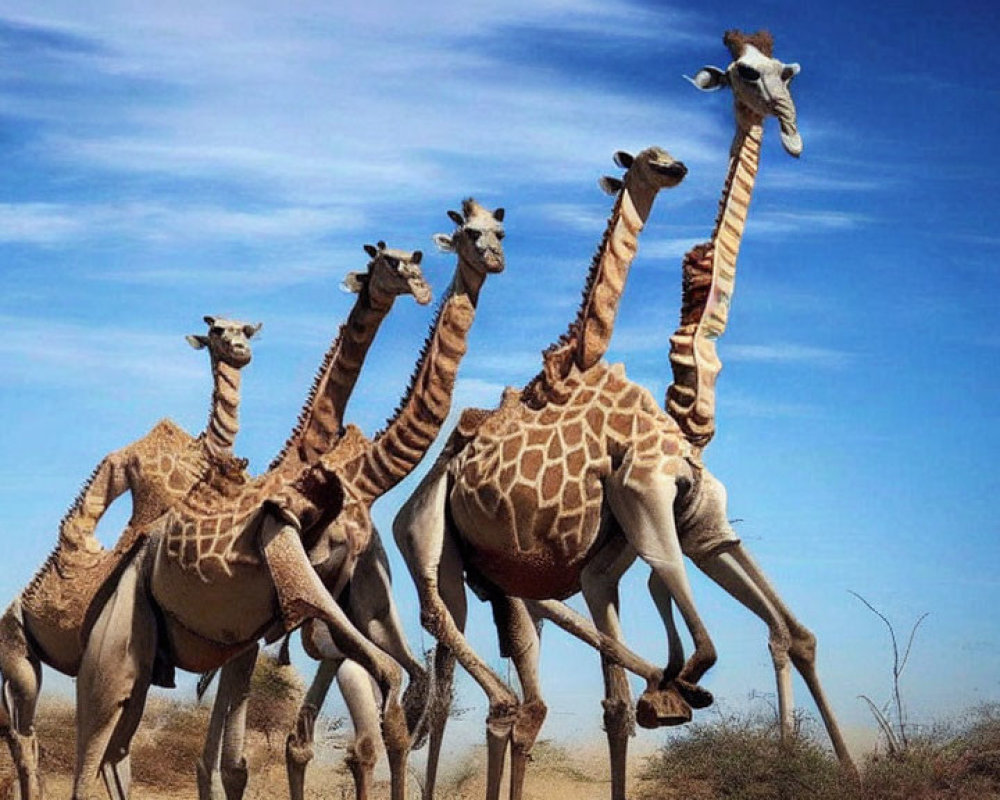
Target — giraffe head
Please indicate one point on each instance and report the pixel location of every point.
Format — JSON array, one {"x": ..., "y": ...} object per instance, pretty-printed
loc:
[
  {"x": 654, "y": 168},
  {"x": 227, "y": 341},
  {"x": 391, "y": 273},
  {"x": 760, "y": 84},
  {"x": 477, "y": 238}
]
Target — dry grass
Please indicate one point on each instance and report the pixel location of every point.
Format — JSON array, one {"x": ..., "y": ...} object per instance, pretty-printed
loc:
[{"x": 740, "y": 757}]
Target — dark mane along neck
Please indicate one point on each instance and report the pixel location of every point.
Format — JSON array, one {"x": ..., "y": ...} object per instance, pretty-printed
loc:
[
  {"x": 568, "y": 349},
  {"x": 409, "y": 432},
  {"x": 320, "y": 422}
]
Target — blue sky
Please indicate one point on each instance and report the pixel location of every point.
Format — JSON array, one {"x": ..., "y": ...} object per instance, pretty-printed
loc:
[{"x": 165, "y": 161}]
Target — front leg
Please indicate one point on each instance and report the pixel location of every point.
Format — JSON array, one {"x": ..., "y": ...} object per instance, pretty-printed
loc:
[
  {"x": 302, "y": 596},
  {"x": 111, "y": 686},
  {"x": 432, "y": 557},
  {"x": 371, "y": 607}
]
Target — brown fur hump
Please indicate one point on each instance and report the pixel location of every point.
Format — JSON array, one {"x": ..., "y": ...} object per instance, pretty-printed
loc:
[{"x": 736, "y": 40}]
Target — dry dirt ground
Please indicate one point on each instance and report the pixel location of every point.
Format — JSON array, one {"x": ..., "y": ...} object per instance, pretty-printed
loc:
[{"x": 170, "y": 739}]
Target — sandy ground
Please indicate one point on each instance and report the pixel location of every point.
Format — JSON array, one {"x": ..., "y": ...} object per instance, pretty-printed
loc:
[{"x": 555, "y": 774}]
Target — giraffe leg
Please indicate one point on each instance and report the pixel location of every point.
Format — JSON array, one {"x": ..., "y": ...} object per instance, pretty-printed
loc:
[
  {"x": 22, "y": 681},
  {"x": 111, "y": 687},
  {"x": 357, "y": 690},
  {"x": 298, "y": 746},
  {"x": 302, "y": 595},
  {"x": 372, "y": 608},
  {"x": 790, "y": 642},
  {"x": 439, "y": 708},
  {"x": 222, "y": 765},
  {"x": 599, "y": 583},
  {"x": 665, "y": 608},
  {"x": 235, "y": 682},
  {"x": 420, "y": 529},
  {"x": 643, "y": 506},
  {"x": 520, "y": 641}
]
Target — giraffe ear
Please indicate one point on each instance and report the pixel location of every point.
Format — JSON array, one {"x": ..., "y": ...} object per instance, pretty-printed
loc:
[
  {"x": 197, "y": 342},
  {"x": 353, "y": 282},
  {"x": 623, "y": 159},
  {"x": 444, "y": 242},
  {"x": 790, "y": 71},
  {"x": 370, "y": 249},
  {"x": 457, "y": 218},
  {"x": 210, "y": 321},
  {"x": 708, "y": 79},
  {"x": 252, "y": 330},
  {"x": 499, "y": 214},
  {"x": 610, "y": 185},
  {"x": 417, "y": 257}
]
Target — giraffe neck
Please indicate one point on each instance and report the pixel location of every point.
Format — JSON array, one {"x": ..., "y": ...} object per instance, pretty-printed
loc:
[
  {"x": 602, "y": 293},
  {"x": 322, "y": 417},
  {"x": 224, "y": 417},
  {"x": 406, "y": 437},
  {"x": 709, "y": 277},
  {"x": 744, "y": 159},
  {"x": 589, "y": 335}
]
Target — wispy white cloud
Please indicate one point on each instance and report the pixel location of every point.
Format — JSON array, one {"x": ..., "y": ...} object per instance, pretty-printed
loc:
[
  {"x": 61, "y": 223},
  {"x": 782, "y": 223},
  {"x": 313, "y": 101},
  {"x": 44, "y": 351},
  {"x": 788, "y": 353}
]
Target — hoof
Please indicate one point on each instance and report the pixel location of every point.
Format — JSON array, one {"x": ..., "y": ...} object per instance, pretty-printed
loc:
[
  {"x": 659, "y": 708},
  {"x": 694, "y": 695}
]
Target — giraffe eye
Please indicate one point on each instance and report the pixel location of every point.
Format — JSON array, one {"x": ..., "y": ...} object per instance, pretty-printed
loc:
[
  {"x": 500, "y": 235},
  {"x": 392, "y": 262},
  {"x": 747, "y": 73},
  {"x": 217, "y": 331}
]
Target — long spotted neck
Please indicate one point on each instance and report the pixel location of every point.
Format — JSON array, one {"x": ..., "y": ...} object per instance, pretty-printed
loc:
[
  {"x": 589, "y": 335},
  {"x": 322, "y": 417},
  {"x": 224, "y": 417},
  {"x": 407, "y": 436},
  {"x": 709, "y": 277}
]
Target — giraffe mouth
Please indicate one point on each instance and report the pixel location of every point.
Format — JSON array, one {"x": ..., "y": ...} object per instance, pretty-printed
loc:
[
  {"x": 675, "y": 170},
  {"x": 421, "y": 293}
]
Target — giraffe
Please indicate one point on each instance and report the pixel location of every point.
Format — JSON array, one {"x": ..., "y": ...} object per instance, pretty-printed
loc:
[
  {"x": 760, "y": 86},
  {"x": 237, "y": 561},
  {"x": 43, "y": 624},
  {"x": 389, "y": 273},
  {"x": 517, "y": 498},
  {"x": 388, "y": 458}
]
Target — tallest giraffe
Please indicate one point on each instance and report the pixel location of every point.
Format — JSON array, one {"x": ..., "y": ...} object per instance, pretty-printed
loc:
[{"x": 761, "y": 87}]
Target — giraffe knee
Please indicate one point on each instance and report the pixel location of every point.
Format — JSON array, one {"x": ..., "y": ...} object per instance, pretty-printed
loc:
[
  {"x": 298, "y": 752},
  {"x": 803, "y": 648},
  {"x": 619, "y": 718},
  {"x": 362, "y": 752},
  {"x": 530, "y": 718}
]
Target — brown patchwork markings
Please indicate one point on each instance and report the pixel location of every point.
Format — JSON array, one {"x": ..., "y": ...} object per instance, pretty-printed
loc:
[{"x": 539, "y": 471}]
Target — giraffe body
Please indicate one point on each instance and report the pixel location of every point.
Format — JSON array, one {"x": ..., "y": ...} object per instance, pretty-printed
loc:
[{"x": 528, "y": 489}]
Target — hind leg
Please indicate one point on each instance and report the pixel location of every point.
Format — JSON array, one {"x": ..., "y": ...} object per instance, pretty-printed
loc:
[
  {"x": 22, "y": 681},
  {"x": 599, "y": 583}
]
